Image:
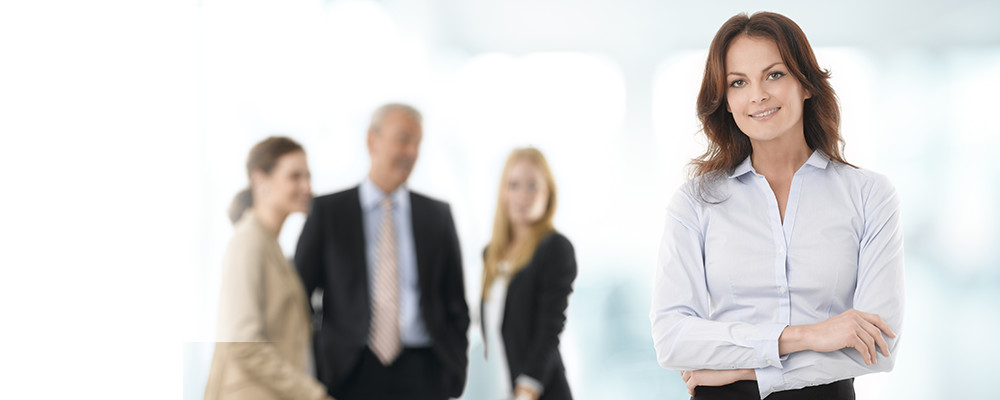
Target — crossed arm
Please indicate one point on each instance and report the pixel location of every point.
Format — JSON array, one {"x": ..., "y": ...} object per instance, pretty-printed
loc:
[
  {"x": 851, "y": 329},
  {"x": 778, "y": 356}
]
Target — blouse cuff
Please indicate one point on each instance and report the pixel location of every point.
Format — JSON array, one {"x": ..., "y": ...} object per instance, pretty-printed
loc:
[
  {"x": 766, "y": 344},
  {"x": 529, "y": 382},
  {"x": 768, "y": 379}
]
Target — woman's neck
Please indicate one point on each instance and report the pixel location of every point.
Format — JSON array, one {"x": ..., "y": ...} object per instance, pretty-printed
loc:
[
  {"x": 519, "y": 234},
  {"x": 271, "y": 218},
  {"x": 781, "y": 156}
]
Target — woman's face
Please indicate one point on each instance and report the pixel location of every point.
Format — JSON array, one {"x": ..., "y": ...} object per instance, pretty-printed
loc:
[
  {"x": 765, "y": 100},
  {"x": 526, "y": 193},
  {"x": 288, "y": 187}
]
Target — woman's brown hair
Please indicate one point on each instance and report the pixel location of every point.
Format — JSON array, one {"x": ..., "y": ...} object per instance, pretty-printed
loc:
[
  {"x": 727, "y": 145},
  {"x": 263, "y": 157}
]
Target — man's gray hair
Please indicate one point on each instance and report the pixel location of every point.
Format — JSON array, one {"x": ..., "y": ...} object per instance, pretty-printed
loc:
[{"x": 380, "y": 113}]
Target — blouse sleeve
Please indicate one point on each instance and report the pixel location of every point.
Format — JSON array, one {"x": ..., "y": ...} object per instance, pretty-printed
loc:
[
  {"x": 558, "y": 265},
  {"x": 683, "y": 336},
  {"x": 879, "y": 291}
]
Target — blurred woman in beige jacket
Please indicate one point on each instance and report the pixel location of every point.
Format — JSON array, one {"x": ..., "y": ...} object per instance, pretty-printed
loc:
[{"x": 263, "y": 350}]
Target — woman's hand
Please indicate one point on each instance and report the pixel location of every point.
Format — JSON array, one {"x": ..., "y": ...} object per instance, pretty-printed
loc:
[
  {"x": 525, "y": 393},
  {"x": 709, "y": 377},
  {"x": 852, "y": 328}
]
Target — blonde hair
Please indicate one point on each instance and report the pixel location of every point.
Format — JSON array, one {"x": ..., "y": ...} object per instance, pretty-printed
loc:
[{"x": 503, "y": 234}]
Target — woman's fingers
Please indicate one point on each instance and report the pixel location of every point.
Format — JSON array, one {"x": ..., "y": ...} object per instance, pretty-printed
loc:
[
  {"x": 877, "y": 320},
  {"x": 874, "y": 331},
  {"x": 859, "y": 345},
  {"x": 852, "y": 328},
  {"x": 868, "y": 343},
  {"x": 871, "y": 322},
  {"x": 688, "y": 382}
]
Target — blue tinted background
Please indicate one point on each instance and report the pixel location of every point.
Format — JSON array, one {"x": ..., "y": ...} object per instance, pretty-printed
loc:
[{"x": 127, "y": 124}]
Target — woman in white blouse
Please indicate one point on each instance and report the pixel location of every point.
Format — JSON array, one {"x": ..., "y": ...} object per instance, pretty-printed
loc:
[
  {"x": 781, "y": 266},
  {"x": 528, "y": 274}
]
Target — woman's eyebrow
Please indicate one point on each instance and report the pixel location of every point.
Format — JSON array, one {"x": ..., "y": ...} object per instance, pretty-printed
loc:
[{"x": 762, "y": 71}]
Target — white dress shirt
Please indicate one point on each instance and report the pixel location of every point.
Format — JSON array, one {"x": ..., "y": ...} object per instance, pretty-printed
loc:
[
  {"x": 412, "y": 329},
  {"x": 496, "y": 352},
  {"x": 731, "y": 276}
]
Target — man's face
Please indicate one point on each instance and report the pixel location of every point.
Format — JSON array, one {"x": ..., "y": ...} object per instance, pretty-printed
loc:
[{"x": 393, "y": 146}]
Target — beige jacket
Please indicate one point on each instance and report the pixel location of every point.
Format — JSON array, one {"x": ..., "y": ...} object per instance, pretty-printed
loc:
[{"x": 264, "y": 330}]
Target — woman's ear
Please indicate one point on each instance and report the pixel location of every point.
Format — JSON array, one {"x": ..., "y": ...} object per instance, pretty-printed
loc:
[{"x": 258, "y": 182}]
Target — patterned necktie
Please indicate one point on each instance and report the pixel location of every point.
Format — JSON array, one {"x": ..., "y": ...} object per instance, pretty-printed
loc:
[{"x": 385, "y": 342}]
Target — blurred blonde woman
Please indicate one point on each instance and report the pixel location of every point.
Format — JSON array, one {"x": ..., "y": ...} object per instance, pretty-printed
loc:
[
  {"x": 264, "y": 329},
  {"x": 528, "y": 275}
]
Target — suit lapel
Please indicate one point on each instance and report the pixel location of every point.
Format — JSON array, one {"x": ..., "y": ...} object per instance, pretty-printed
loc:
[
  {"x": 421, "y": 233},
  {"x": 355, "y": 237}
]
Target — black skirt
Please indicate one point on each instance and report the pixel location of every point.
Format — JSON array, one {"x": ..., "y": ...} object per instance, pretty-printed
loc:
[{"x": 747, "y": 390}]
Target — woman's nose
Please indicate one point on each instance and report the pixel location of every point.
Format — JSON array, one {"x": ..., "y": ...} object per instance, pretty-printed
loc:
[{"x": 759, "y": 95}]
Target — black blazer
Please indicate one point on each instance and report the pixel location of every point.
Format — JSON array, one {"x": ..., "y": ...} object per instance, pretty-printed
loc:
[
  {"x": 331, "y": 256},
  {"x": 535, "y": 313}
]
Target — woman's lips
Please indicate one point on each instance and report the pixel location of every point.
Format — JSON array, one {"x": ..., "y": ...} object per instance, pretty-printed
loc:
[{"x": 765, "y": 114}]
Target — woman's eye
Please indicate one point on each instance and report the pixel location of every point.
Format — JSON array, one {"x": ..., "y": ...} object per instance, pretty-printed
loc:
[
  {"x": 737, "y": 83},
  {"x": 775, "y": 75}
]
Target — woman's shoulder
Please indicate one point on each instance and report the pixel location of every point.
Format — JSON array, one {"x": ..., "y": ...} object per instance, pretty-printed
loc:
[
  {"x": 249, "y": 240},
  {"x": 868, "y": 183},
  {"x": 556, "y": 242},
  {"x": 249, "y": 229},
  {"x": 691, "y": 198},
  {"x": 555, "y": 255}
]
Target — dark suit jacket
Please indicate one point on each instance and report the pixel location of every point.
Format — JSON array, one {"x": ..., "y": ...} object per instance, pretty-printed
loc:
[
  {"x": 535, "y": 313},
  {"x": 331, "y": 256}
]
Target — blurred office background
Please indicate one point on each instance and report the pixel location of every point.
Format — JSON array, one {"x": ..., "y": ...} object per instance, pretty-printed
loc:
[{"x": 125, "y": 127}]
